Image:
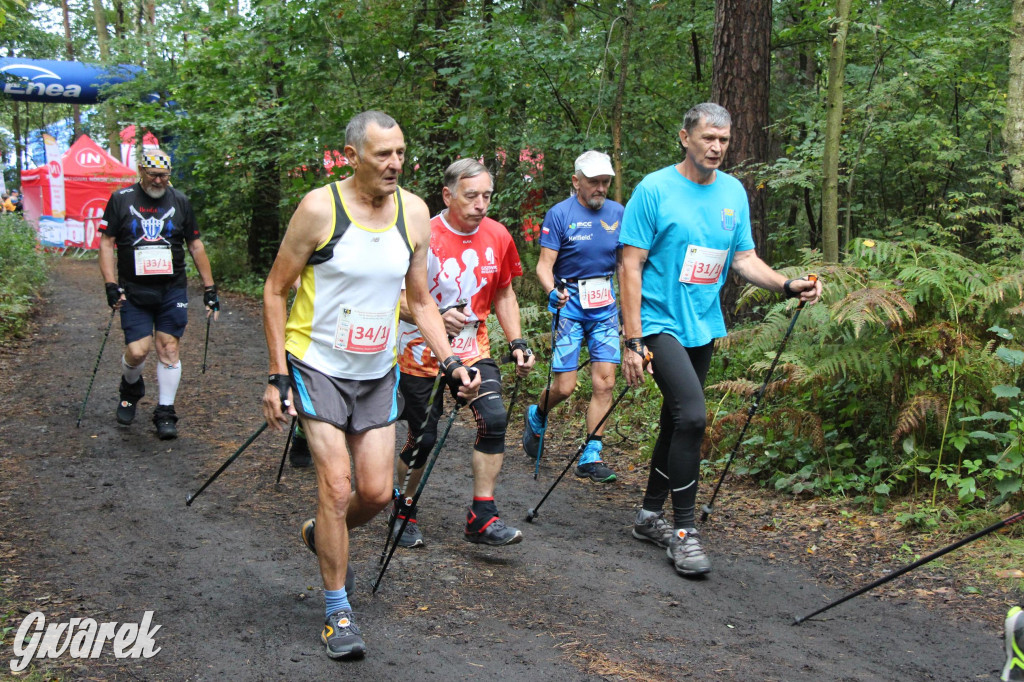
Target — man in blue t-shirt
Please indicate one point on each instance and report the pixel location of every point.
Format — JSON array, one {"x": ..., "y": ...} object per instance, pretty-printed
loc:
[
  {"x": 578, "y": 245},
  {"x": 684, "y": 227}
]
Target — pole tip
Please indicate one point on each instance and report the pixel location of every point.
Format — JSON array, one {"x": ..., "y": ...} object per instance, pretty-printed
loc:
[
  {"x": 797, "y": 621},
  {"x": 530, "y": 515},
  {"x": 188, "y": 500}
]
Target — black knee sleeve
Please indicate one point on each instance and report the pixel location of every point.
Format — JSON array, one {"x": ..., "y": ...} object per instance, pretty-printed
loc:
[
  {"x": 490, "y": 424},
  {"x": 415, "y": 454}
]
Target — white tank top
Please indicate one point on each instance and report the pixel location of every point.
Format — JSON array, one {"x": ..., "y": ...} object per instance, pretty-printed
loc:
[{"x": 344, "y": 317}]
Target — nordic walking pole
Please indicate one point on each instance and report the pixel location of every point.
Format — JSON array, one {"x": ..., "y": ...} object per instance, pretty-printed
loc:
[
  {"x": 920, "y": 562},
  {"x": 708, "y": 508},
  {"x": 400, "y": 492},
  {"x": 287, "y": 444},
  {"x": 191, "y": 498},
  {"x": 532, "y": 513},
  {"x": 392, "y": 538},
  {"x": 547, "y": 388},
  {"x": 206, "y": 345},
  {"x": 103, "y": 345}
]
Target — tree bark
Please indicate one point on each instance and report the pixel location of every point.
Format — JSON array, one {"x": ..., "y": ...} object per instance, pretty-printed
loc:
[
  {"x": 620, "y": 94},
  {"x": 76, "y": 113},
  {"x": 833, "y": 132},
  {"x": 740, "y": 82},
  {"x": 103, "y": 40},
  {"x": 1013, "y": 128}
]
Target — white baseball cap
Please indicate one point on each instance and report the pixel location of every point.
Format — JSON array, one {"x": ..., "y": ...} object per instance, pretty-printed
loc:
[{"x": 593, "y": 164}]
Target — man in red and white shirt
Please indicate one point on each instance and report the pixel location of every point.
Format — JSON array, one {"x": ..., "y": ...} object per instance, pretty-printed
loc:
[{"x": 470, "y": 267}]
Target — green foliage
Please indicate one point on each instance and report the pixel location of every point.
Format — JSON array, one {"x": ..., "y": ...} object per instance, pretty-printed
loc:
[
  {"x": 22, "y": 273},
  {"x": 894, "y": 365}
]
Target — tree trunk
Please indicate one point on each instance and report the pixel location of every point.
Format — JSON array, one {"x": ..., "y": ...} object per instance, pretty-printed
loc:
[
  {"x": 1013, "y": 128},
  {"x": 103, "y": 40},
  {"x": 441, "y": 138},
  {"x": 620, "y": 94},
  {"x": 833, "y": 133},
  {"x": 76, "y": 113},
  {"x": 741, "y": 76}
]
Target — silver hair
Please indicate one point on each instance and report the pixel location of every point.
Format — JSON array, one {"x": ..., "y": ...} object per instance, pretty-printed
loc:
[
  {"x": 463, "y": 169},
  {"x": 714, "y": 115},
  {"x": 355, "y": 131}
]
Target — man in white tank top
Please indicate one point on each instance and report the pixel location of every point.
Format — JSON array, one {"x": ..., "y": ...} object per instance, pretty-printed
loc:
[{"x": 336, "y": 369}]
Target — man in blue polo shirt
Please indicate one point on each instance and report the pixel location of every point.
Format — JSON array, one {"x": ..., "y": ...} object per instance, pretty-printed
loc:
[
  {"x": 683, "y": 228},
  {"x": 578, "y": 244}
]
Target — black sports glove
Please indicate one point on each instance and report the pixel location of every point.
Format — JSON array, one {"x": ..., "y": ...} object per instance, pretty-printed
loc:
[
  {"x": 210, "y": 298},
  {"x": 113, "y": 294},
  {"x": 519, "y": 344},
  {"x": 448, "y": 366},
  {"x": 282, "y": 382}
]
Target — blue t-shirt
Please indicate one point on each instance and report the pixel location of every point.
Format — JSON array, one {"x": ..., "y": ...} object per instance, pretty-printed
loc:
[
  {"x": 675, "y": 219},
  {"x": 586, "y": 241}
]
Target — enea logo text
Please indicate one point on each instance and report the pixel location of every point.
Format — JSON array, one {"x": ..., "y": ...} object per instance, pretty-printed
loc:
[{"x": 35, "y": 80}]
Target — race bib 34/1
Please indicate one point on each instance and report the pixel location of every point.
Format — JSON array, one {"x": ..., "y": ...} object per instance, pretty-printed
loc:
[{"x": 361, "y": 331}]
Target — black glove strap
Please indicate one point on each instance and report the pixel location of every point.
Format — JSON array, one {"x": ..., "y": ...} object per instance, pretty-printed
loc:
[
  {"x": 210, "y": 298},
  {"x": 789, "y": 290},
  {"x": 282, "y": 382},
  {"x": 113, "y": 293},
  {"x": 636, "y": 344},
  {"x": 519, "y": 344}
]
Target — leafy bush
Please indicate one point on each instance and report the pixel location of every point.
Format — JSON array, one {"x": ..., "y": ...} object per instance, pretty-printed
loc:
[
  {"x": 875, "y": 390},
  {"x": 22, "y": 272}
]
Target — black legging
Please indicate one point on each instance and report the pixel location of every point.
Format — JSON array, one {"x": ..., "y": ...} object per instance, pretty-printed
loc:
[{"x": 675, "y": 465}]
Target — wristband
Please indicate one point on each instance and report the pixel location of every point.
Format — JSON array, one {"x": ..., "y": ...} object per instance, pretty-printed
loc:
[
  {"x": 636, "y": 344},
  {"x": 519, "y": 344},
  {"x": 282, "y": 382},
  {"x": 788, "y": 290}
]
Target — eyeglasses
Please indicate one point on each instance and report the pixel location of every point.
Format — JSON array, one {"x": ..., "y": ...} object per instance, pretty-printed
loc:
[{"x": 157, "y": 176}]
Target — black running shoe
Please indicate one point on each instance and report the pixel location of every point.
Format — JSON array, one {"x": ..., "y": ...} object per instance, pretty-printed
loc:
[
  {"x": 492, "y": 531},
  {"x": 341, "y": 636},
  {"x": 596, "y": 471},
  {"x": 164, "y": 419},
  {"x": 299, "y": 455},
  {"x": 309, "y": 540},
  {"x": 130, "y": 395},
  {"x": 1013, "y": 669}
]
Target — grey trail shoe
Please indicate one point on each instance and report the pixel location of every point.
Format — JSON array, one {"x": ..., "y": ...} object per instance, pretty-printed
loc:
[
  {"x": 653, "y": 529},
  {"x": 341, "y": 636},
  {"x": 686, "y": 554},
  {"x": 492, "y": 531}
]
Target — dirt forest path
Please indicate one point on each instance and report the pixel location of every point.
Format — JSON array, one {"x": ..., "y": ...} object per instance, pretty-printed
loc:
[{"x": 93, "y": 523}]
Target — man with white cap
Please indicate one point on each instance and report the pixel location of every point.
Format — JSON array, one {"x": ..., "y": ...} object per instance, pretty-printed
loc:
[
  {"x": 151, "y": 223},
  {"x": 579, "y": 240}
]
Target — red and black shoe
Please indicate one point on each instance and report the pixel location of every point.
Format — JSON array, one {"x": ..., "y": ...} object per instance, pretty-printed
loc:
[{"x": 490, "y": 531}]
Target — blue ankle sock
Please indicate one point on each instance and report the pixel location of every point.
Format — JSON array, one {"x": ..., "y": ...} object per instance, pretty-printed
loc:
[
  {"x": 336, "y": 599},
  {"x": 591, "y": 453},
  {"x": 536, "y": 423}
]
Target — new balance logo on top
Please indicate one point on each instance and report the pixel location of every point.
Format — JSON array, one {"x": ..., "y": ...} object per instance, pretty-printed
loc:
[{"x": 81, "y": 638}]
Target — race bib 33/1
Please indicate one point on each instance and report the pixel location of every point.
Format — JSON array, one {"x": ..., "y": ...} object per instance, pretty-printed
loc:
[{"x": 153, "y": 260}]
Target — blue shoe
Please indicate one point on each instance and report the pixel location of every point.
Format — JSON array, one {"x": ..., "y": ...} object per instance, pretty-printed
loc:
[{"x": 533, "y": 429}]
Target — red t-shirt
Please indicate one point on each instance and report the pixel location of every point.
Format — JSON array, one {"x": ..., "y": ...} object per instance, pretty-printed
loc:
[{"x": 461, "y": 267}]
